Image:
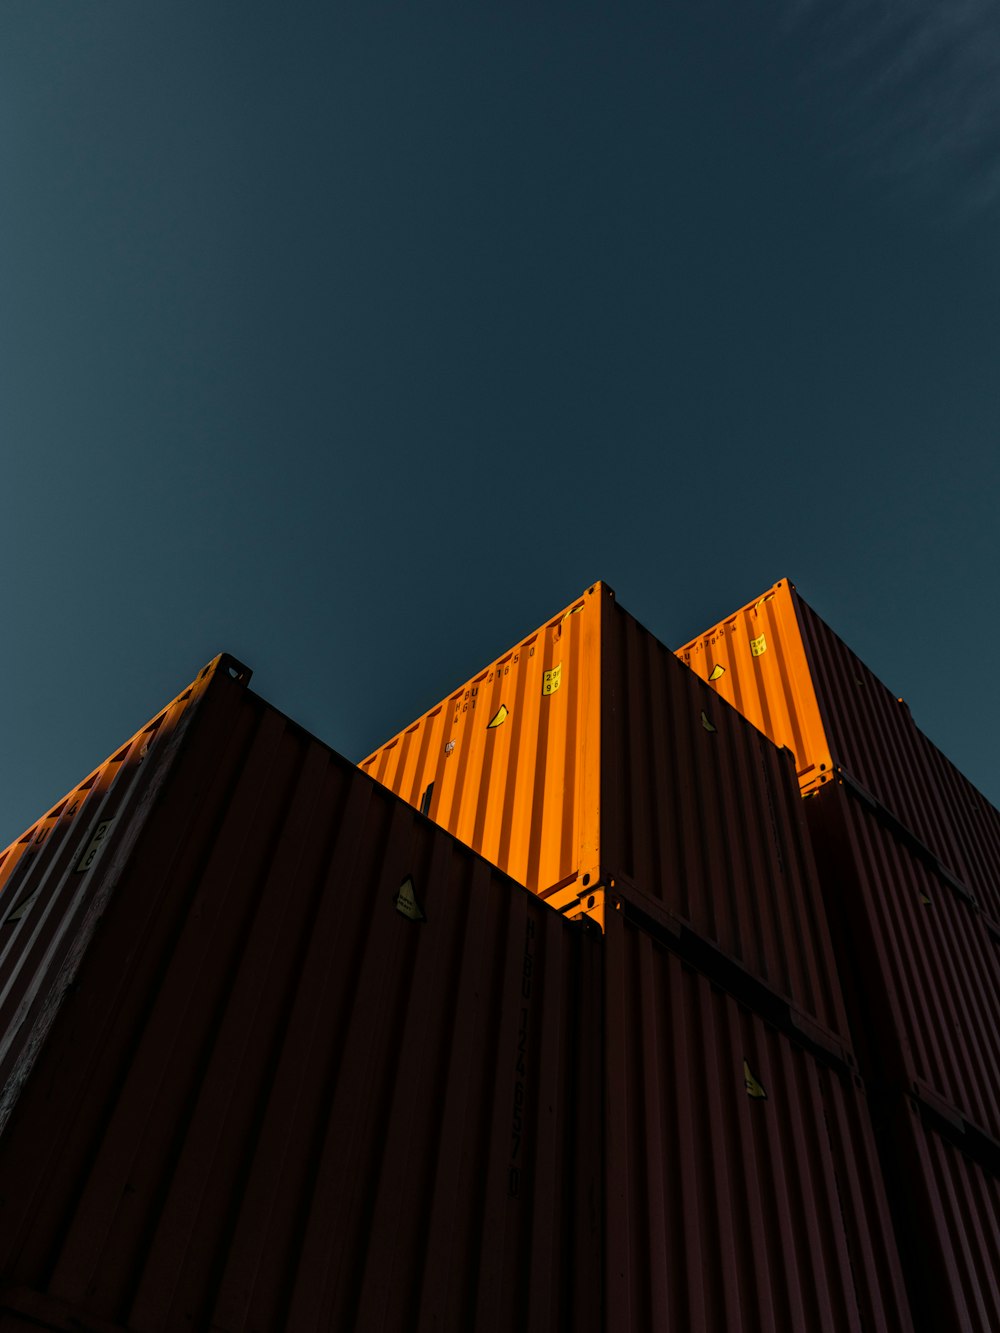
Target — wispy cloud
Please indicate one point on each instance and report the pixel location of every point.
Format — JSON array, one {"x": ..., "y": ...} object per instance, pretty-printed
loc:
[{"x": 915, "y": 91}]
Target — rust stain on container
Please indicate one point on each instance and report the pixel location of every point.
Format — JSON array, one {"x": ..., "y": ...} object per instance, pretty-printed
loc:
[
  {"x": 727, "y": 1209},
  {"x": 926, "y": 993},
  {"x": 261, "y": 1094},
  {"x": 634, "y": 775},
  {"x": 808, "y": 691}
]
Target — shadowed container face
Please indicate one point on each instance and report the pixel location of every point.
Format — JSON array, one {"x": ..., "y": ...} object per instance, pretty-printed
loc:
[
  {"x": 783, "y": 667},
  {"x": 742, "y": 1184},
  {"x": 588, "y": 759},
  {"x": 55, "y": 881},
  {"x": 925, "y": 992},
  {"x": 947, "y": 1208},
  {"x": 310, "y": 1062}
]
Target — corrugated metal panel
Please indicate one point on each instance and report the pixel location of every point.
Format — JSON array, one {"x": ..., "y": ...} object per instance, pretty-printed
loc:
[
  {"x": 926, "y": 1001},
  {"x": 947, "y": 1205},
  {"x": 743, "y": 1190},
  {"x": 629, "y": 774},
  {"x": 509, "y": 762},
  {"x": 874, "y": 738},
  {"x": 779, "y": 663},
  {"x": 755, "y": 659},
  {"x": 700, "y": 813},
  {"x": 52, "y": 896},
  {"x": 974, "y": 828},
  {"x": 275, "y": 1099}
]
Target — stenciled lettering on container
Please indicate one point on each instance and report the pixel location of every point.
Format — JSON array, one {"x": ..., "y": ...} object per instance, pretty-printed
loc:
[
  {"x": 516, "y": 1167},
  {"x": 97, "y": 841},
  {"x": 467, "y": 702},
  {"x": 503, "y": 668}
]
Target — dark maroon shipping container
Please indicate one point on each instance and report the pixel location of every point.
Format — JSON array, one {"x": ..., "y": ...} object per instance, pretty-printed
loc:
[
  {"x": 874, "y": 739},
  {"x": 947, "y": 1204},
  {"x": 701, "y": 820},
  {"x": 920, "y": 966},
  {"x": 280, "y": 1053},
  {"x": 742, "y": 1184}
]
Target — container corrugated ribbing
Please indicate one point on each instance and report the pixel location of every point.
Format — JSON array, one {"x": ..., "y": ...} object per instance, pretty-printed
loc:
[
  {"x": 783, "y": 667},
  {"x": 926, "y": 981},
  {"x": 298, "y": 1058},
  {"x": 947, "y": 1205},
  {"x": 587, "y": 759},
  {"x": 742, "y": 1184}
]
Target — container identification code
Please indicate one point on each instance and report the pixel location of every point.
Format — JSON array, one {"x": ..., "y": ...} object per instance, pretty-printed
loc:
[
  {"x": 96, "y": 842},
  {"x": 551, "y": 680},
  {"x": 758, "y": 646}
]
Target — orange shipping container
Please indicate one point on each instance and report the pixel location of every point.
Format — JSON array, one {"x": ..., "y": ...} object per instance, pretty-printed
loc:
[
  {"x": 786, "y": 671},
  {"x": 587, "y": 759}
]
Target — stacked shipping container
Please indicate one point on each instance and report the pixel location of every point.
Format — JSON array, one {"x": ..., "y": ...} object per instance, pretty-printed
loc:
[
  {"x": 909, "y": 855},
  {"x": 287, "y": 1055},
  {"x": 297, "y": 1058},
  {"x": 588, "y": 761},
  {"x": 789, "y": 673}
]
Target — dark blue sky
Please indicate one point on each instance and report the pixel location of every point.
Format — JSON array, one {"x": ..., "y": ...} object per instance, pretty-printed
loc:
[{"x": 357, "y": 340}]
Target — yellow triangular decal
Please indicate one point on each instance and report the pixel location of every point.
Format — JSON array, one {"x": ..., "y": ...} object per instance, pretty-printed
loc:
[
  {"x": 753, "y": 1088},
  {"x": 718, "y": 671},
  {"x": 406, "y": 902},
  {"x": 498, "y": 718},
  {"x": 705, "y": 722},
  {"x": 925, "y": 900}
]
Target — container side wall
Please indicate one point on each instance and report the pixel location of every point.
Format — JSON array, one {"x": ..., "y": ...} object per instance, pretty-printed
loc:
[
  {"x": 974, "y": 828},
  {"x": 63, "y": 870},
  {"x": 323, "y": 1067},
  {"x": 874, "y": 739},
  {"x": 701, "y": 813},
  {"x": 508, "y": 763},
  {"x": 925, "y": 988},
  {"x": 742, "y": 1186},
  {"x": 756, "y": 660},
  {"x": 947, "y": 1205},
  {"x": 779, "y": 663}
]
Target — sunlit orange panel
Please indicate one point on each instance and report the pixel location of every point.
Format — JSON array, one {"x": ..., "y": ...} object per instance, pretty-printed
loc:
[
  {"x": 756, "y": 660},
  {"x": 787, "y": 671},
  {"x": 509, "y": 762}
]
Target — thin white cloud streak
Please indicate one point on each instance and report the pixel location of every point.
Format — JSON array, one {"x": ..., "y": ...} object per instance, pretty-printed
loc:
[{"x": 916, "y": 89}]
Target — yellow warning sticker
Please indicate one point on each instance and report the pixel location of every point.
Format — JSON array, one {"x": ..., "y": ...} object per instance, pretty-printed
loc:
[
  {"x": 718, "y": 671},
  {"x": 705, "y": 722},
  {"x": 499, "y": 717},
  {"x": 551, "y": 680},
  {"x": 753, "y": 1088},
  {"x": 758, "y": 646},
  {"x": 406, "y": 902}
]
